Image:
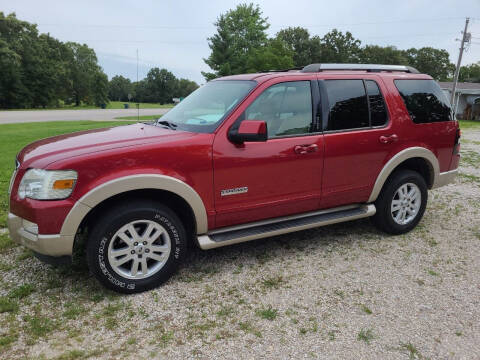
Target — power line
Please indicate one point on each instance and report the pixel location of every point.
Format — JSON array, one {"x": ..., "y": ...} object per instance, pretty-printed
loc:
[{"x": 169, "y": 27}]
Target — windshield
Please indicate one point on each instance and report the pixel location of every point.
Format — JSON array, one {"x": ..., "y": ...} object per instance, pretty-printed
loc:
[{"x": 205, "y": 108}]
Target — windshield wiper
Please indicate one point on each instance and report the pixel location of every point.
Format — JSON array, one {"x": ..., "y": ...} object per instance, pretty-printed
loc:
[{"x": 167, "y": 123}]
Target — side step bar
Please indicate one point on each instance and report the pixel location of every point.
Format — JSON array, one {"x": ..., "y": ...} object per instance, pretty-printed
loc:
[{"x": 283, "y": 225}]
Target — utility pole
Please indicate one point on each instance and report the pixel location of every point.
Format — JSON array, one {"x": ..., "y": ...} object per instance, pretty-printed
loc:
[
  {"x": 138, "y": 103},
  {"x": 465, "y": 38}
]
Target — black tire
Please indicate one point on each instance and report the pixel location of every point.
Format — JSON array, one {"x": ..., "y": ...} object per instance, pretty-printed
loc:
[
  {"x": 112, "y": 221},
  {"x": 383, "y": 218}
]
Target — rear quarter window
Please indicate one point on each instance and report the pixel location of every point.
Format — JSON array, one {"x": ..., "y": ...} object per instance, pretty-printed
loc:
[{"x": 424, "y": 100}]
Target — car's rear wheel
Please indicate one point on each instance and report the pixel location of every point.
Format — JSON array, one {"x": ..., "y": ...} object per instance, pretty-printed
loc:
[
  {"x": 136, "y": 246},
  {"x": 402, "y": 202}
]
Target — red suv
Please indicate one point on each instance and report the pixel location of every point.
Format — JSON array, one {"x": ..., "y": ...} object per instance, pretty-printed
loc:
[{"x": 244, "y": 157}]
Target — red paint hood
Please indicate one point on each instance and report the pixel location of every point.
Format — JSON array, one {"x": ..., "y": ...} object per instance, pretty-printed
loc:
[{"x": 43, "y": 152}]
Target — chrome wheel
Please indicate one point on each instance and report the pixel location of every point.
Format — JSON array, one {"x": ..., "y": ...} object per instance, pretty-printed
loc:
[
  {"x": 406, "y": 203},
  {"x": 139, "y": 249}
]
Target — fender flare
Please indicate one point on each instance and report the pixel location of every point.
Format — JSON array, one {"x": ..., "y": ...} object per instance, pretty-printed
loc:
[
  {"x": 391, "y": 165},
  {"x": 128, "y": 183}
]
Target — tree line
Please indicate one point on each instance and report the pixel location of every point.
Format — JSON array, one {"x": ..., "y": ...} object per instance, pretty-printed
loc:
[
  {"x": 160, "y": 86},
  {"x": 241, "y": 45},
  {"x": 38, "y": 71}
]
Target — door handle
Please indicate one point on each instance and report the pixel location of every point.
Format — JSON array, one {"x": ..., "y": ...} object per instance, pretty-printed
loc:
[
  {"x": 388, "y": 139},
  {"x": 305, "y": 149}
]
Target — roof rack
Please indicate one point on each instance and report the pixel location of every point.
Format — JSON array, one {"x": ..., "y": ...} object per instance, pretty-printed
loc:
[
  {"x": 365, "y": 67},
  {"x": 286, "y": 70}
]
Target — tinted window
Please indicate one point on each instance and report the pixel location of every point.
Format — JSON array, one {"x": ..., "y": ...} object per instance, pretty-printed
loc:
[
  {"x": 286, "y": 107},
  {"x": 348, "y": 104},
  {"x": 378, "y": 112},
  {"x": 425, "y": 101}
]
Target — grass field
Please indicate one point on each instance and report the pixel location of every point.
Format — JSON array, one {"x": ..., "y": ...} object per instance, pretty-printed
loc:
[
  {"x": 469, "y": 124},
  {"x": 110, "y": 105},
  {"x": 144, "y": 117},
  {"x": 13, "y": 137}
]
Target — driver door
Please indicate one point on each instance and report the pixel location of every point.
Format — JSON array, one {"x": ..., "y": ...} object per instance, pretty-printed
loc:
[{"x": 282, "y": 176}]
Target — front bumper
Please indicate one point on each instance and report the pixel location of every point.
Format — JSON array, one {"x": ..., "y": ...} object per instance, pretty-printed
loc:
[{"x": 25, "y": 233}]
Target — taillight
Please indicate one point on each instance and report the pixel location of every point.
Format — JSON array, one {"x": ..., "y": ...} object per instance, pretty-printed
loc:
[{"x": 456, "y": 146}]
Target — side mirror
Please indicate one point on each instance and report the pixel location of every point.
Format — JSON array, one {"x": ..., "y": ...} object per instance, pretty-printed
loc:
[{"x": 249, "y": 130}]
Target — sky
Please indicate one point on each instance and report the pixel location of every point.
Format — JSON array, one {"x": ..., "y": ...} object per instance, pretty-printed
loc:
[{"x": 173, "y": 34}]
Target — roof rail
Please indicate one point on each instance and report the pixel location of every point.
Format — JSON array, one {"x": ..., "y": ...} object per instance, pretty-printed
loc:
[
  {"x": 285, "y": 70},
  {"x": 366, "y": 67}
]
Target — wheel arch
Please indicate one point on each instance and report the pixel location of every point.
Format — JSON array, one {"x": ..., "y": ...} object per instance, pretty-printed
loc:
[
  {"x": 411, "y": 158},
  {"x": 117, "y": 188}
]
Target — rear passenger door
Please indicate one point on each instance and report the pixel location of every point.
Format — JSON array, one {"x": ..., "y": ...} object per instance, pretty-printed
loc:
[{"x": 358, "y": 137}]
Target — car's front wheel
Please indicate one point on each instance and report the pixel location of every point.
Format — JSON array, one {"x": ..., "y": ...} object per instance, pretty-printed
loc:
[
  {"x": 402, "y": 202},
  {"x": 136, "y": 246}
]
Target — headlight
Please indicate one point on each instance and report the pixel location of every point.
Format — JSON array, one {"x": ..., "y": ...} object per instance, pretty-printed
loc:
[{"x": 41, "y": 184}]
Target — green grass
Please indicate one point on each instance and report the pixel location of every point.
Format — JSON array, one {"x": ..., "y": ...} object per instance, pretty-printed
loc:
[
  {"x": 143, "y": 117},
  {"x": 267, "y": 313},
  {"x": 5, "y": 242},
  {"x": 110, "y": 105},
  {"x": 13, "y": 137},
  {"x": 365, "y": 335},
  {"x": 469, "y": 124},
  {"x": 7, "y": 305},
  {"x": 21, "y": 291}
]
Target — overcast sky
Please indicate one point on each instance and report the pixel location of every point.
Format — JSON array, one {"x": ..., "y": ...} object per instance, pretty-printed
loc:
[{"x": 173, "y": 34}]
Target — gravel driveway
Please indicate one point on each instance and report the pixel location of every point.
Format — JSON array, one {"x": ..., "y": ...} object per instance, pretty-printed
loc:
[{"x": 340, "y": 292}]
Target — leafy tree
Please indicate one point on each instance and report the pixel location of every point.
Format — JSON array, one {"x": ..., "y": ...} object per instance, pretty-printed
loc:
[
  {"x": 431, "y": 61},
  {"x": 160, "y": 85},
  {"x": 337, "y": 47},
  {"x": 374, "y": 54},
  {"x": 305, "y": 49},
  {"x": 100, "y": 88},
  {"x": 470, "y": 73},
  {"x": 83, "y": 67},
  {"x": 184, "y": 87},
  {"x": 274, "y": 56},
  {"x": 119, "y": 88},
  {"x": 239, "y": 32}
]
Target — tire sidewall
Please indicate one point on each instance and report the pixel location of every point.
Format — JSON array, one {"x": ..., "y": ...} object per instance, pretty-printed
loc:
[
  {"x": 97, "y": 248},
  {"x": 402, "y": 178}
]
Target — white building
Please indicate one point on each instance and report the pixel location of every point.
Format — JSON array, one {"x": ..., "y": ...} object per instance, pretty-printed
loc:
[{"x": 467, "y": 99}]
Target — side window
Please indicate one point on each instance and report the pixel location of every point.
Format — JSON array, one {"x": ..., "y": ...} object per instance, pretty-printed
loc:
[
  {"x": 425, "y": 101},
  {"x": 285, "y": 107},
  {"x": 378, "y": 111},
  {"x": 348, "y": 104}
]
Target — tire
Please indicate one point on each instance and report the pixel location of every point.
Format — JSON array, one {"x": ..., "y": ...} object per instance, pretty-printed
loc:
[
  {"x": 399, "y": 183},
  {"x": 148, "y": 234}
]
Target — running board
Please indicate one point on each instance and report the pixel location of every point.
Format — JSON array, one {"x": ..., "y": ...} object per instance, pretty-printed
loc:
[{"x": 283, "y": 225}]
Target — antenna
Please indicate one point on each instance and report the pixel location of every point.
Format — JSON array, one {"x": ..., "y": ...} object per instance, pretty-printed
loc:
[{"x": 138, "y": 103}]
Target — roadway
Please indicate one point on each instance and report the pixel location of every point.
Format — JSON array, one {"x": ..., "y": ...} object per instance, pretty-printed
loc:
[{"x": 20, "y": 116}]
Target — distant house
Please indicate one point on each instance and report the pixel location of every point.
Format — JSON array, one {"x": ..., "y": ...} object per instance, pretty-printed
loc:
[{"x": 467, "y": 99}]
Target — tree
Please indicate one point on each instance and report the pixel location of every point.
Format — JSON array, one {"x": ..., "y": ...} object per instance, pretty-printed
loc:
[
  {"x": 160, "y": 85},
  {"x": 100, "y": 88},
  {"x": 470, "y": 73},
  {"x": 119, "y": 88},
  {"x": 374, "y": 54},
  {"x": 184, "y": 87},
  {"x": 431, "y": 61},
  {"x": 337, "y": 47},
  {"x": 239, "y": 32},
  {"x": 305, "y": 49},
  {"x": 273, "y": 56}
]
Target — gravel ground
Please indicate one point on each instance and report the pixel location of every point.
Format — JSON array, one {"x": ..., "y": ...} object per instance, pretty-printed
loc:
[{"x": 343, "y": 291}]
